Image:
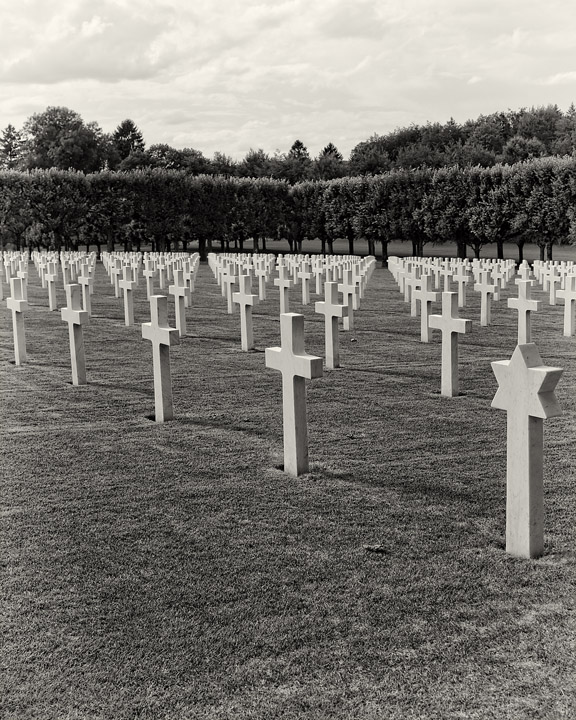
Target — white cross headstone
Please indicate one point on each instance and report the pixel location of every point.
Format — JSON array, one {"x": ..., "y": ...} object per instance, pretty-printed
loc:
[
  {"x": 17, "y": 303},
  {"x": 127, "y": 284},
  {"x": 179, "y": 291},
  {"x": 462, "y": 278},
  {"x": 51, "y": 277},
  {"x": 86, "y": 281},
  {"x": 305, "y": 275},
  {"x": 162, "y": 337},
  {"x": 348, "y": 289},
  {"x": 246, "y": 300},
  {"x": 426, "y": 296},
  {"x": 450, "y": 326},
  {"x": 331, "y": 311},
  {"x": 284, "y": 283},
  {"x": 526, "y": 392},
  {"x": 295, "y": 365},
  {"x": 229, "y": 279},
  {"x": 149, "y": 272},
  {"x": 568, "y": 294},
  {"x": 525, "y": 305},
  {"x": 487, "y": 289},
  {"x": 76, "y": 318}
]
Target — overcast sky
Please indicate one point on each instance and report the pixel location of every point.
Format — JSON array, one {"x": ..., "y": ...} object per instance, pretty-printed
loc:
[{"x": 230, "y": 75}]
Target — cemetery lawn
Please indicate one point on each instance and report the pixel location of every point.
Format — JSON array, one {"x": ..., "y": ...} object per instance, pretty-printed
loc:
[{"x": 174, "y": 571}]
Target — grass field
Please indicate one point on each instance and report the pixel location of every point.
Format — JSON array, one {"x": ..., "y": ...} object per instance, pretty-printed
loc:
[{"x": 174, "y": 571}]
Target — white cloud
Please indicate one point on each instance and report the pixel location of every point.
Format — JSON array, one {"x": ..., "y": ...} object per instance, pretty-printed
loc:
[{"x": 237, "y": 74}]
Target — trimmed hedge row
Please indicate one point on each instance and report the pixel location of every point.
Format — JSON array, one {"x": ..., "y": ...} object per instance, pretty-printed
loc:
[{"x": 534, "y": 201}]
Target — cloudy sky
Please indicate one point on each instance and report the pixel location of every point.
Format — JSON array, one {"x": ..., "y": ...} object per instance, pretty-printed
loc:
[{"x": 229, "y": 75}]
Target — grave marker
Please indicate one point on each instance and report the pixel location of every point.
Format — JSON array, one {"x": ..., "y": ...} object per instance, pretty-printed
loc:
[
  {"x": 127, "y": 284},
  {"x": 525, "y": 305},
  {"x": 526, "y": 392},
  {"x": 450, "y": 326},
  {"x": 295, "y": 365},
  {"x": 426, "y": 296},
  {"x": 179, "y": 291},
  {"x": 568, "y": 294},
  {"x": 246, "y": 300},
  {"x": 17, "y": 303},
  {"x": 331, "y": 311},
  {"x": 76, "y": 318},
  {"x": 162, "y": 337}
]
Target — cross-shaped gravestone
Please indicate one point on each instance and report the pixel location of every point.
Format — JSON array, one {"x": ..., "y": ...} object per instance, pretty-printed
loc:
[
  {"x": 127, "y": 284},
  {"x": 331, "y": 311},
  {"x": 554, "y": 280},
  {"x": 262, "y": 275},
  {"x": 568, "y": 294},
  {"x": 446, "y": 273},
  {"x": 86, "y": 281},
  {"x": 348, "y": 289},
  {"x": 116, "y": 273},
  {"x": 295, "y": 365},
  {"x": 161, "y": 273},
  {"x": 23, "y": 275},
  {"x": 51, "y": 277},
  {"x": 486, "y": 289},
  {"x": 425, "y": 295},
  {"x": 229, "y": 279},
  {"x": 305, "y": 275},
  {"x": 246, "y": 300},
  {"x": 179, "y": 290},
  {"x": 462, "y": 278},
  {"x": 450, "y": 326},
  {"x": 162, "y": 337},
  {"x": 17, "y": 303},
  {"x": 149, "y": 272},
  {"x": 76, "y": 318},
  {"x": 526, "y": 392},
  {"x": 525, "y": 305},
  {"x": 318, "y": 272},
  {"x": 284, "y": 283}
]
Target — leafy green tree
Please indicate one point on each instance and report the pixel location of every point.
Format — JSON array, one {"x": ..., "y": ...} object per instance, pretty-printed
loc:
[
  {"x": 256, "y": 164},
  {"x": 128, "y": 139},
  {"x": 519, "y": 148},
  {"x": 296, "y": 165},
  {"x": 58, "y": 200},
  {"x": 59, "y": 138},
  {"x": 329, "y": 164},
  {"x": 222, "y": 164},
  {"x": 11, "y": 148}
]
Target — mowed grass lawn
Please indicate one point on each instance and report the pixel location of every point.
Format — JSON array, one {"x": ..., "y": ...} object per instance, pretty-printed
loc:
[{"x": 174, "y": 571}]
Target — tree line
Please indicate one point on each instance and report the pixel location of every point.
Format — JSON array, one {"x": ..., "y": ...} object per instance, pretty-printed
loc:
[
  {"x": 59, "y": 138},
  {"x": 470, "y": 207}
]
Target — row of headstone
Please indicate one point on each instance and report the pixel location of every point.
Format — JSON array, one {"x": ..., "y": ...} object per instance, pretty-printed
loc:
[
  {"x": 489, "y": 278},
  {"x": 526, "y": 386},
  {"x": 526, "y": 392},
  {"x": 230, "y": 269}
]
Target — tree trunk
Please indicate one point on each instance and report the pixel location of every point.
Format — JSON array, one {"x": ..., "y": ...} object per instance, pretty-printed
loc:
[
  {"x": 350, "y": 235},
  {"x": 109, "y": 241},
  {"x": 461, "y": 249},
  {"x": 323, "y": 245},
  {"x": 542, "y": 252},
  {"x": 264, "y": 243},
  {"x": 549, "y": 247},
  {"x": 330, "y": 243},
  {"x": 384, "y": 253},
  {"x": 371, "y": 247},
  {"x": 520, "y": 244},
  {"x": 500, "y": 249},
  {"x": 290, "y": 244},
  {"x": 202, "y": 248}
]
